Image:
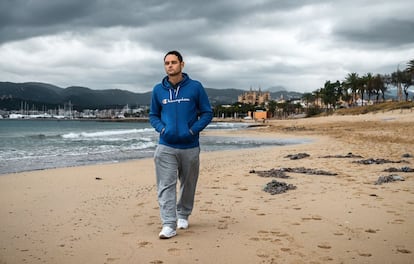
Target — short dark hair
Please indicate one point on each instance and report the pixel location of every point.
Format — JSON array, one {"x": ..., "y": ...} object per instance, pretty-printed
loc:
[{"x": 176, "y": 53}]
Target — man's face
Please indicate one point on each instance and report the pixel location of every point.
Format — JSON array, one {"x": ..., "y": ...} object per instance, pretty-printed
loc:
[{"x": 172, "y": 65}]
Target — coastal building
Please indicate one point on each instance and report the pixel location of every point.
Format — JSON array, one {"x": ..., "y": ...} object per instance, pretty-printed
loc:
[{"x": 254, "y": 97}]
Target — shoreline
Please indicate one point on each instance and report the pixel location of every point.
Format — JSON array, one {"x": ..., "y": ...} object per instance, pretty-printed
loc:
[
  {"x": 67, "y": 138},
  {"x": 68, "y": 215}
]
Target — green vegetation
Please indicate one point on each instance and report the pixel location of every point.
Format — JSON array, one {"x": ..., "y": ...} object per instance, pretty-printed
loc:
[
  {"x": 381, "y": 107},
  {"x": 334, "y": 95},
  {"x": 340, "y": 97}
]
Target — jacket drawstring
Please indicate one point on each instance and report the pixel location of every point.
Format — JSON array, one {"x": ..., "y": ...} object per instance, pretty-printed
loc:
[{"x": 176, "y": 92}]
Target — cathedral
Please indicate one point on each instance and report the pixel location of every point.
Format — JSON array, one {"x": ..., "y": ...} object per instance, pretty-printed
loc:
[{"x": 254, "y": 97}]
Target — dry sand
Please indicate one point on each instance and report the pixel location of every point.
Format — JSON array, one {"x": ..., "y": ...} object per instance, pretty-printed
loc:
[{"x": 69, "y": 216}]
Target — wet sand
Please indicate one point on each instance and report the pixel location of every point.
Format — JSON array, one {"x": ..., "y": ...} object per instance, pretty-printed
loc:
[{"x": 109, "y": 213}]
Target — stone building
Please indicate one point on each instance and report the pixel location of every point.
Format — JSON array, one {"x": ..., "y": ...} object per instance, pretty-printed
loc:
[{"x": 254, "y": 97}]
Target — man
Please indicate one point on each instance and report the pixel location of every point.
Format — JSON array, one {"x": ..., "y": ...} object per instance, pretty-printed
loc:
[{"x": 179, "y": 111}]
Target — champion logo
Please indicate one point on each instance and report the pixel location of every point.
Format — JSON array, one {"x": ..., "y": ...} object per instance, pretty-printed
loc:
[{"x": 166, "y": 101}]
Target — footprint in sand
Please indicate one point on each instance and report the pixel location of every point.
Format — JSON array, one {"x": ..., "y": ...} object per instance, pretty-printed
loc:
[
  {"x": 312, "y": 218},
  {"x": 370, "y": 230},
  {"x": 223, "y": 225},
  {"x": 112, "y": 259},
  {"x": 262, "y": 254},
  {"x": 174, "y": 251},
  {"x": 398, "y": 221},
  {"x": 364, "y": 254},
  {"x": 144, "y": 244},
  {"x": 324, "y": 246},
  {"x": 224, "y": 222},
  {"x": 403, "y": 250},
  {"x": 209, "y": 211}
]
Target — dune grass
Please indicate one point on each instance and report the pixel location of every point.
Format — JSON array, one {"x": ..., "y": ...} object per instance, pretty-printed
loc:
[{"x": 380, "y": 107}]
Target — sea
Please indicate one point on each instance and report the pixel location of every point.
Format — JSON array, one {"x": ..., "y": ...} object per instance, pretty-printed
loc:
[{"x": 33, "y": 144}]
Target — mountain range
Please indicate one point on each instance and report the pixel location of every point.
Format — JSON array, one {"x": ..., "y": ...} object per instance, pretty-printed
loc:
[{"x": 41, "y": 95}]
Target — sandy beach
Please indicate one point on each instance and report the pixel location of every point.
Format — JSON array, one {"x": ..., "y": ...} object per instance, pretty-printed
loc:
[{"x": 109, "y": 213}]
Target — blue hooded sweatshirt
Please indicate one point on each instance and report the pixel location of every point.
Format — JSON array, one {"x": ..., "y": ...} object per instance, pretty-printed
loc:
[{"x": 180, "y": 114}]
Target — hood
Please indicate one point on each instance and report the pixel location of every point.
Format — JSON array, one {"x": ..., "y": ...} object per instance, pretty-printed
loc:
[{"x": 167, "y": 85}]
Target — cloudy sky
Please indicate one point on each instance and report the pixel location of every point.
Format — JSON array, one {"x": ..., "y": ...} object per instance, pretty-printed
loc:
[{"x": 297, "y": 44}]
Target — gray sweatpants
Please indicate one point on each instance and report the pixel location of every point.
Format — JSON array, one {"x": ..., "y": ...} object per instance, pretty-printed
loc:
[{"x": 172, "y": 164}]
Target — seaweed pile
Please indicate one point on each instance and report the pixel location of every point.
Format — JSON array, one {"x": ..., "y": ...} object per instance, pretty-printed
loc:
[
  {"x": 389, "y": 178},
  {"x": 402, "y": 169},
  {"x": 275, "y": 187},
  {"x": 297, "y": 156},
  {"x": 349, "y": 155},
  {"x": 309, "y": 171},
  {"x": 281, "y": 172},
  {"x": 378, "y": 161},
  {"x": 275, "y": 173}
]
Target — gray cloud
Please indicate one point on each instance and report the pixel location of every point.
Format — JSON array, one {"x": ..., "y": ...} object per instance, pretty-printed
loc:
[
  {"x": 382, "y": 33},
  {"x": 226, "y": 44}
]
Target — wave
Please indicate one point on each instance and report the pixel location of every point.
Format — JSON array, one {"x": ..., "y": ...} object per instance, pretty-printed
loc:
[
  {"x": 226, "y": 125},
  {"x": 106, "y": 133}
]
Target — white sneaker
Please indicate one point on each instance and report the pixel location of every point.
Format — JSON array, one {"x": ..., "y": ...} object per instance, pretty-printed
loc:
[
  {"x": 167, "y": 232},
  {"x": 182, "y": 223}
]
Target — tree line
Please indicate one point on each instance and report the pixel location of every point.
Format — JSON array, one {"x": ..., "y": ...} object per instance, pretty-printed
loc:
[
  {"x": 354, "y": 87},
  {"x": 332, "y": 95}
]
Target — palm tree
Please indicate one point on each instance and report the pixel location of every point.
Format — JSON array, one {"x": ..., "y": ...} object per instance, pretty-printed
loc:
[
  {"x": 352, "y": 82},
  {"x": 362, "y": 86},
  {"x": 379, "y": 87},
  {"x": 308, "y": 98},
  {"x": 410, "y": 77},
  {"x": 272, "y": 105},
  {"x": 343, "y": 93},
  {"x": 387, "y": 80},
  {"x": 410, "y": 67},
  {"x": 369, "y": 79},
  {"x": 317, "y": 97},
  {"x": 403, "y": 79}
]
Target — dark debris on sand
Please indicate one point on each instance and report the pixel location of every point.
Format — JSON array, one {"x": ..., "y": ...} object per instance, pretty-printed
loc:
[
  {"x": 402, "y": 169},
  {"x": 274, "y": 173},
  {"x": 281, "y": 172},
  {"x": 407, "y": 155},
  {"x": 295, "y": 128},
  {"x": 378, "y": 161},
  {"x": 297, "y": 156},
  {"x": 349, "y": 155},
  {"x": 309, "y": 171},
  {"x": 389, "y": 178},
  {"x": 275, "y": 187}
]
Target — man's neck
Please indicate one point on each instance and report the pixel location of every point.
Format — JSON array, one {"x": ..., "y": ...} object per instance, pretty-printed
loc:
[{"x": 175, "y": 79}]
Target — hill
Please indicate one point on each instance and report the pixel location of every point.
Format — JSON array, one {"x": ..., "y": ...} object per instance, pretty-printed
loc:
[{"x": 39, "y": 95}]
